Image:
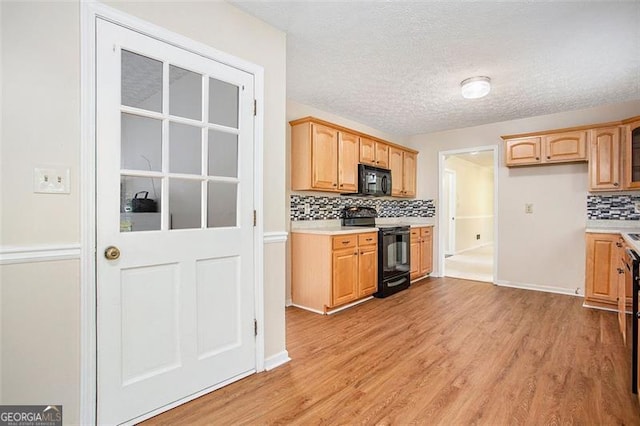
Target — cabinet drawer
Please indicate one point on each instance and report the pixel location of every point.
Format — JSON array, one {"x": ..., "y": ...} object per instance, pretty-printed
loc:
[
  {"x": 415, "y": 234},
  {"x": 367, "y": 239},
  {"x": 426, "y": 231},
  {"x": 344, "y": 241}
]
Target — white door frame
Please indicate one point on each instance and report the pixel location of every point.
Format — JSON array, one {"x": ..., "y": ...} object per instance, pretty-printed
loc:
[
  {"x": 441, "y": 210},
  {"x": 451, "y": 224},
  {"x": 90, "y": 11}
]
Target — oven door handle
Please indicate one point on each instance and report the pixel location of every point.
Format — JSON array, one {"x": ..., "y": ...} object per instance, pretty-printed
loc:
[{"x": 396, "y": 233}]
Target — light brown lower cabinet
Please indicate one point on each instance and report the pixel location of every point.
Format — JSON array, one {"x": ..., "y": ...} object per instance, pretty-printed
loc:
[
  {"x": 605, "y": 271},
  {"x": 421, "y": 252},
  {"x": 328, "y": 271}
]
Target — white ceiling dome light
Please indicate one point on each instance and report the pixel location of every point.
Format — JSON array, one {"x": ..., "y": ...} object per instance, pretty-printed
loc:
[{"x": 475, "y": 87}]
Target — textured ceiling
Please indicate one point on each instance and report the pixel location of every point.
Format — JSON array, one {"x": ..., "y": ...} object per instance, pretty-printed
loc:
[{"x": 396, "y": 66}]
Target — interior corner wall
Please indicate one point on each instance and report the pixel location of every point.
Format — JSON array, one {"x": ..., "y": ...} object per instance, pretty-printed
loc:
[
  {"x": 474, "y": 203},
  {"x": 545, "y": 249},
  {"x": 40, "y": 107},
  {"x": 296, "y": 110}
]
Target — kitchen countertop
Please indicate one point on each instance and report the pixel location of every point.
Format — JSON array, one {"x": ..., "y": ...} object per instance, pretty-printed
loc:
[
  {"x": 334, "y": 230},
  {"x": 333, "y": 227}
]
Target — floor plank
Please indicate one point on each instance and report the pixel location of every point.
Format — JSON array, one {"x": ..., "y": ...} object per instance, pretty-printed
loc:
[{"x": 446, "y": 351}]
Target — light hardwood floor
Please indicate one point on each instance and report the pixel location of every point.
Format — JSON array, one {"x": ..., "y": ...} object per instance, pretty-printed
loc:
[{"x": 446, "y": 351}]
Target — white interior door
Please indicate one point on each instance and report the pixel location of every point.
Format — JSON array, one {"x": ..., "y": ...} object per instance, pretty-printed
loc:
[
  {"x": 175, "y": 310},
  {"x": 449, "y": 183}
]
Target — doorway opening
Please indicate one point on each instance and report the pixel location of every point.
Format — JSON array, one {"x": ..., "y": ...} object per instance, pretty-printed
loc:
[{"x": 467, "y": 219}]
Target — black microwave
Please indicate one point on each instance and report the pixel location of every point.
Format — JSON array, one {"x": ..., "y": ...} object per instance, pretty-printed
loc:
[{"x": 373, "y": 181}]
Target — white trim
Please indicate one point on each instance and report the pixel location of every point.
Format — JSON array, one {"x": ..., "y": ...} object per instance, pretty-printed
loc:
[
  {"x": 315, "y": 311},
  {"x": 474, "y": 248},
  {"x": 275, "y": 237},
  {"x": 536, "y": 287},
  {"x": 347, "y": 306},
  {"x": 440, "y": 272},
  {"x": 38, "y": 253},
  {"x": 90, "y": 11},
  {"x": 276, "y": 360},
  {"x": 482, "y": 216},
  {"x": 191, "y": 397},
  {"x": 288, "y": 303}
]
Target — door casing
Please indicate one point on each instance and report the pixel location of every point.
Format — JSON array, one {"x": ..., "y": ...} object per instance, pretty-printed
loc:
[{"x": 90, "y": 11}]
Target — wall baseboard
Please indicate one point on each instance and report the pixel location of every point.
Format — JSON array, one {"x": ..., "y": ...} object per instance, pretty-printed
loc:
[
  {"x": 275, "y": 237},
  {"x": 543, "y": 288},
  {"x": 276, "y": 360},
  {"x": 288, "y": 303},
  {"x": 38, "y": 253},
  {"x": 474, "y": 247}
]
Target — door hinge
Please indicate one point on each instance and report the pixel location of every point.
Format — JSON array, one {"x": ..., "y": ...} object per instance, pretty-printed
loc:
[
  {"x": 255, "y": 220},
  {"x": 255, "y": 107},
  {"x": 255, "y": 327}
]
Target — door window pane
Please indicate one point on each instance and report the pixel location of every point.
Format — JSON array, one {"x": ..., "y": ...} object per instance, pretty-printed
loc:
[
  {"x": 184, "y": 203},
  {"x": 185, "y": 93},
  {"x": 140, "y": 203},
  {"x": 222, "y": 204},
  {"x": 141, "y": 82},
  {"x": 223, "y": 154},
  {"x": 141, "y": 143},
  {"x": 185, "y": 149},
  {"x": 223, "y": 103}
]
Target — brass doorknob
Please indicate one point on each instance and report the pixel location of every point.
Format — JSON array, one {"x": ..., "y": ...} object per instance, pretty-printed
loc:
[{"x": 112, "y": 253}]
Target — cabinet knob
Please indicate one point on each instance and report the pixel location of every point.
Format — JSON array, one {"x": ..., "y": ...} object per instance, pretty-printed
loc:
[
  {"x": 355, "y": 254},
  {"x": 618, "y": 244},
  {"x": 335, "y": 184},
  {"x": 616, "y": 184},
  {"x": 548, "y": 157},
  {"x": 537, "y": 158}
]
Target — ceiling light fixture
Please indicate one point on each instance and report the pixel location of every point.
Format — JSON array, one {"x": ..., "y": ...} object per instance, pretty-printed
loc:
[{"x": 475, "y": 87}]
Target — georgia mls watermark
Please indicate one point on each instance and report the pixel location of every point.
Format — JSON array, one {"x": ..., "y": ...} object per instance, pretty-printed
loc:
[{"x": 30, "y": 415}]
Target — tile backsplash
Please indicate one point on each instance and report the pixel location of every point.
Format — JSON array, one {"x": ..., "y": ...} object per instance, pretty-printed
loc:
[
  {"x": 322, "y": 208},
  {"x": 612, "y": 207}
]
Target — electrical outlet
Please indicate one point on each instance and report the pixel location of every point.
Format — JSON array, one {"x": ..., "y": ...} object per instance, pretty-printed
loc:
[
  {"x": 307, "y": 208},
  {"x": 528, "y": 208},
  {"x": 51, "y": 180},
  {"x": 477, "y": 236}
]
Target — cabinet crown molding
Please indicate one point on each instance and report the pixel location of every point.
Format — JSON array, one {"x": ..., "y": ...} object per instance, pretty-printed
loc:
[{"x": 572, "y": 129}]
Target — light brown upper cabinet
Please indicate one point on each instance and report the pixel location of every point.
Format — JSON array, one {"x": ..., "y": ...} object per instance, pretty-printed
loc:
[
  {"x": 374, "y": 153},
  {"x": 631, "y": 131},
  {"x": 325, "y": 157},
  {"x": 604, "y": 159},
  {"x": 564, "y": 147},
  {"x": 403, "y": 172},
  {"x": 525, "y": 150}
]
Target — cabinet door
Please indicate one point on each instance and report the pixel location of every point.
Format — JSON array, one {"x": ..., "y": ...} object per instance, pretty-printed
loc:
[
  {"x": 409, "y": 174},
  {"x": 622, "y": 305},
  {"x": 426, "y": 251},
  {"x": 563, "y": 147},
  {"x": 602, "y": 263},
  {"x": 604, "y": 159},
  {"x": 324, "y": 158},
  {"x": 523, "y": 151},
  {"x": 368, "y": 151},
  {"x": 382, "y": 155},
  {"x": 345, "y": 276},
  {"x": 396, "y": 167},
  {"x": 632, "y": 155},
  {"x": 414, "y": 271},
  {"x": 348, "y": 154},
  {"x": 367, "y": 270}
]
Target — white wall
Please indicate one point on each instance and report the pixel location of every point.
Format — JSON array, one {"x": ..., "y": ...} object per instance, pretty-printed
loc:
[
  {"x": 474, "y": 203},
  {"x": 545, "y": 249},
  {"x": 40, "y": 108}
]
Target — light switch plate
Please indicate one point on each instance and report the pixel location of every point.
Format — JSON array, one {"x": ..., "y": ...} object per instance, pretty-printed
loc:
[
  {"x": 528, "y": 208},
  {"x": 51, "y": 180}
]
